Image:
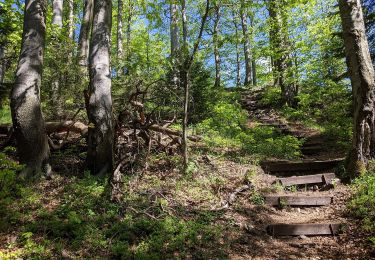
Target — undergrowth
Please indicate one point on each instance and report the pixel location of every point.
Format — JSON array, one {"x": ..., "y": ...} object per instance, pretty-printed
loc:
[
  {"x": 362, "y": 203},
  {"x": 227, "y": 129}
]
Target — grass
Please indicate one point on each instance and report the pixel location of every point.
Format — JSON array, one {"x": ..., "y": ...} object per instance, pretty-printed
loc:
[
  {"x": 5, "y": 115},
  {"x": 362, "y": 203},
  {"x": 164, "y": 214}
]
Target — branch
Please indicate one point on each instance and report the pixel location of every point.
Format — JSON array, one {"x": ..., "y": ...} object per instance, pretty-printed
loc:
[{"x": 196, "y": 44}]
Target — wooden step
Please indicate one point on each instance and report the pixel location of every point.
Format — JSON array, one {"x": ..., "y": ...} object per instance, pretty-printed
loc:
[
  {"x": 324, "y": 178},
  {"x": 304, "y": 229},
  {"x": 311, "y": 150},
  {"x": 286, "y": 200},
  {"x": 289, "y": 168}
]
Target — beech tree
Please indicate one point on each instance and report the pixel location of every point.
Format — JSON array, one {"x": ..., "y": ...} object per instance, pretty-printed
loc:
[
  {"x": 246, "y": 44},
  {"x": 216, "y": 43},
  {"x": 27, "y": 117},
  {"x": 99, "y": 103},
  {"x": 57, "y": 21},
  {"x": 120, "y": 38},
  {"x": 188, "y": 59},
  {"x": 84, "y": 40},
  {"x": 175, "y": 41},
  {"x": 362, "y": 78},
  {"x": 71, "y": 19}
]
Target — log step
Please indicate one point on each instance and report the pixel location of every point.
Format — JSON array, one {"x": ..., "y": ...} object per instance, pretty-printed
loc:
[
  {"x": 311, "y": 150},
  {"x": 325, "y": 178},
  {"x": 289, "y": 168},
  {"x": 298, "y": 200},
  {"x": 304, "y": 229}
]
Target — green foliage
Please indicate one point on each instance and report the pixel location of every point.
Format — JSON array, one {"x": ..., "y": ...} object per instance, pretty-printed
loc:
[
  {"x": 362, "y": 204},
  {"x": 8, "y": 174},
  {"x": 5, "y": 115},
  {"x": 257, "y": 198},
  {"x": 272, "y": 96},
  {"x": 227, "y": 128}
]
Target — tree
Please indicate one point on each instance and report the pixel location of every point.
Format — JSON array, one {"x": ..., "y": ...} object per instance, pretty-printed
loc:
[
  {"x": 175, "y": 41},
  {"x": 215, "y": 36},
  {"x": 57, "y": 22},
  {"x": 99, "y": 104},
  {"x": 28, "y": 121},
  {"x": 238, "y": 63},
  {"x": 120, "y": 37},
  {"x": 71, "y": 20},
  {"x": 246, "y": 44},
  {"x": 280, "y": 45},
  {"x": 362, "y": 78},
  {"x": 187, "y": 61},
  {"x": 84, "y": 40}
]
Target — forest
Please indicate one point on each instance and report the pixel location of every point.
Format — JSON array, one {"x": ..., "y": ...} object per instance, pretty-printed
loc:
[{"x": 187, "y": 129}]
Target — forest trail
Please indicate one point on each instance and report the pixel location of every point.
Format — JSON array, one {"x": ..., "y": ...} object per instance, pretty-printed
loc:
[{"x": 298, "y": 205}]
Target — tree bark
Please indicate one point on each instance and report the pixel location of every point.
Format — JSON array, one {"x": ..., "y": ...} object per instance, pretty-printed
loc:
[
  {"x": 2, "y": 65},
  {"x": 238, "y": 63},
  {"x": 128, "y": 30},
  {"x": 362, "y": 78},
  {"x": 246, "y": 44},
  {"x": 253, "y": 61},
  {"x": 71, "y": 20},
  {"x": 279, "y": 42},
  {"x": 120, "y": 37},
  {"x": 184, "y": 77},
  {"x": 28, "y": 121},
  {"x": 57, "y": 13},
  {"x": 186, "y": 65},
  {"x": 84, "y": 40},
  {"x": 58, "y": 23},
  {"x": 216, "y": 46},
  {"x": 99, "y": 110},
  {"x": 175, "y": 41}
]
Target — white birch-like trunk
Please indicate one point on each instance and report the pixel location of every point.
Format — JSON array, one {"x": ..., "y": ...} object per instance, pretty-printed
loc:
[
  {"x": 28, "y": 121},
  {"x": 100, "y": 154}
]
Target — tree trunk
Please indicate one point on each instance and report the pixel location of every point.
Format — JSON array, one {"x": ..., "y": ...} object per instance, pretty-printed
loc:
[
  {"x": 128, "y": 30},
  {"x": 120, "y": 37},
  {"x": 28, "y": 121},
  {"x": 246, "y": 44},
  {"x": 184, "y": 71},
  {"x": 362, "y": 78},
  {"x": 99, "y": 110},
  {"x": 84, "y": 40},
  {"x": 253, "y": 61},
  {"x": 57, "y": 22},
  {"x": 175, "y": 41},
  {"x": 216, "y": 46},
  {"x": 280, "y": 46},
  {"x": 71, "y": 20},
  {"x": 238, "y": 63},
  {"x": 57, "y": 13},
  {"x": 2, "y": 64}
]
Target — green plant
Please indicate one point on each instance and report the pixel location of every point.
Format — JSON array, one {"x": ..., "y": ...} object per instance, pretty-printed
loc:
[
  {"x": 8, "y": 173},
  {"x": 257, "y": 198},
  {"x": 362, "y": 203}
]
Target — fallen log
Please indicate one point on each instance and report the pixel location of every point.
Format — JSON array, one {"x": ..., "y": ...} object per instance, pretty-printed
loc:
[
  {"x": 52, "y": 127},
  {"x": 81, "y": 128},
  {"x": 75, "y": 127},
  {"x": 168, "y": 131}
]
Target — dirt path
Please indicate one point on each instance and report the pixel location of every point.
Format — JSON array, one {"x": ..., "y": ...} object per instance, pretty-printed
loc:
[{"x": 255, "y": 219}]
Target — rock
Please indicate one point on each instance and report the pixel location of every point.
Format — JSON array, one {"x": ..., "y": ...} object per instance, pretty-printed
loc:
[
  {"x": 65, "y": 254},
  {"x": 303, "y": 237}
]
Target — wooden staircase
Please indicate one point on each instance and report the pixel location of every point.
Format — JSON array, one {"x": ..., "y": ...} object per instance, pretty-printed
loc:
[{"x": 308, "y": 174}]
